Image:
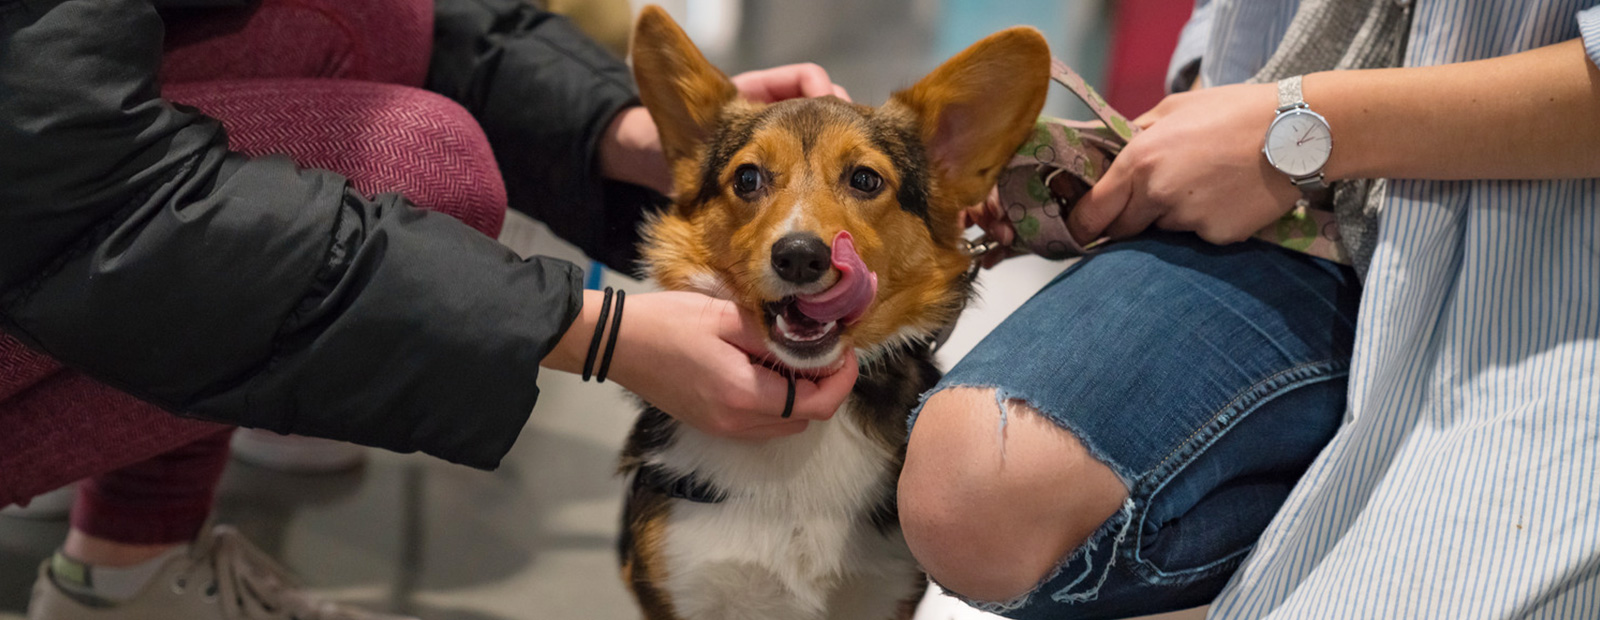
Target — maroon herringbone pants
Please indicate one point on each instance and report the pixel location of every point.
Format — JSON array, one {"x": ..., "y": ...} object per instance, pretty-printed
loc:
[{"x": 332, "y": 83}]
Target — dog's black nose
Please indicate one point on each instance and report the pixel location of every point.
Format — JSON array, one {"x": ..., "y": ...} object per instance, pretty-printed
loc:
[{"x": 801, "y": 258}]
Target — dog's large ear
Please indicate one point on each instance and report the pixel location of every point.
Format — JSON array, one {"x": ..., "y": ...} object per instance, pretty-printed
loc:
[
  {"x": 978, "y": 107},
  {"x": 682, "y": 90}
]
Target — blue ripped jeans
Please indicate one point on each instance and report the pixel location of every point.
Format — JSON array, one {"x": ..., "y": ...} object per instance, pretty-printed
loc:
[{"x": 1206, "y": 377}]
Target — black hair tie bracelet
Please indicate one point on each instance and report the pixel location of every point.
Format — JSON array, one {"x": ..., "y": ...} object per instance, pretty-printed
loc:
[
  {"x": 611, "y": 343},
  {"x": 599, "y": 330}
]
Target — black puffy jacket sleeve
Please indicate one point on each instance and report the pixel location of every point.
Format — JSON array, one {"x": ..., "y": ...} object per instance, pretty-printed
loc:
[
  {"x": 136, "y": 247},
  {"x": 544, "y": 94}
]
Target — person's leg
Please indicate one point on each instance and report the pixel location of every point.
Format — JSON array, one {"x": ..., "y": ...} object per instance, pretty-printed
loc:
[
  {"x": 988, "y": 517},
  {"x": 385, "y": 41},
  {"x": 368, "y": 40},
  {"x": 22, "y": 367},
  {"x": 126, "y": 521},
  {"x": 1115, "y": 446},
  {"x": 384, "y": 138},
  {"x": 373, "y": 40},
  {"x": 67, "y": 427},
  {"x": 136, "y": 513}
]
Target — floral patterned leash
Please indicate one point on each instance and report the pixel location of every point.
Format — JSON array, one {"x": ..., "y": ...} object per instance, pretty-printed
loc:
[{"x": 1062, "y": 159}]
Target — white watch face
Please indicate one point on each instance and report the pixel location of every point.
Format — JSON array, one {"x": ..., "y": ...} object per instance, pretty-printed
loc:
[{"x": 1298, "y": 143}]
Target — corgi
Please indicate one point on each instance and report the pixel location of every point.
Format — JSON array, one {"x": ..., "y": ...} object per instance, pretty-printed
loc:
[{"x": 839, "y": 225}]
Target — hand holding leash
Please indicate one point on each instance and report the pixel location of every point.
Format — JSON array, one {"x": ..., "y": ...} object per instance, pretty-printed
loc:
[
  {"x": 999, "y": 234},
  {"x": 1197, "y": 168}
]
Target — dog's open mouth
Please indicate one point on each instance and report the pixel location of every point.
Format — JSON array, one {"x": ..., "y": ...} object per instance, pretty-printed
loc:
[
  {"x": 801, "y": 335},
  {"x": 809, "y": 326}
]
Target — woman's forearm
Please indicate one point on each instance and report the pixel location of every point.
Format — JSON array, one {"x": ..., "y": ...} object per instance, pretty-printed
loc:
[{"x": 1533, "y": 115}]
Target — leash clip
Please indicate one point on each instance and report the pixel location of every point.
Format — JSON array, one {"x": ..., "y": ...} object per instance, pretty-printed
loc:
[{"x": 977, "y": 248}]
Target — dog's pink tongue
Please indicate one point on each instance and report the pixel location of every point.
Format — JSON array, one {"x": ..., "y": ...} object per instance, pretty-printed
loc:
[{"x": 848, "y": 298}]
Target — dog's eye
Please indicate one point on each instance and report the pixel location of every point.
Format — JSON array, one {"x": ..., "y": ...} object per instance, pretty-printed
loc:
[
  {"x": 866, "y": 180},
  {"x": 746, "y": 180}
]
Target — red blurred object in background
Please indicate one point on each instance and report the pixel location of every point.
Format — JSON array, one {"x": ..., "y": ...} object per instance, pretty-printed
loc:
[{"x": 1144, "y": 34}]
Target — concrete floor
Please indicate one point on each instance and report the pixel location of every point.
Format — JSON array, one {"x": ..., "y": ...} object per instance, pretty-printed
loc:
[{"x": 536, "y": 538}]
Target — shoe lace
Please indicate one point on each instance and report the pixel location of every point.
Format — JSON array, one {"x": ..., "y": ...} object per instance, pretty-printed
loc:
[{"x": 250, "y": 585}]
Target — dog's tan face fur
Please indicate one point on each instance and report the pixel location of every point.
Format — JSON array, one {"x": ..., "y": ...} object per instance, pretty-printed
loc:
[{"x": 896, "y": 178}]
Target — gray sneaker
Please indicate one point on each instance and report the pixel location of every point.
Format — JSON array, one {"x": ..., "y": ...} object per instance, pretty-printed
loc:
[{"x": 224, "y": 577}]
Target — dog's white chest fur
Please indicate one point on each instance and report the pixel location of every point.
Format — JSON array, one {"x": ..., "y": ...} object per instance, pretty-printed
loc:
[{"x": 793, "y": 540}]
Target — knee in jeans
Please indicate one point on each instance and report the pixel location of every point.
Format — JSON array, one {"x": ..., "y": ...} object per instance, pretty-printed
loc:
[{"x": 989, "y": 513}]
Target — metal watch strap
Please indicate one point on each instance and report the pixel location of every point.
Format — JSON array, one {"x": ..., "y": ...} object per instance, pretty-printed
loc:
[
  {"x": 1291, "y": 95},
  {"x": 1315, "y": 193}
]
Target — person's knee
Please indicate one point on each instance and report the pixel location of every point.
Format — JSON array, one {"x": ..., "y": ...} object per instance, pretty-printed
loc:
[
  {"x": 989, "y": 513},
  {"x": 422, "y": 145}
]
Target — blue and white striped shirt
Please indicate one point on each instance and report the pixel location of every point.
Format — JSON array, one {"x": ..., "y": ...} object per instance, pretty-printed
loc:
[{"x": 1464, "y": 482}]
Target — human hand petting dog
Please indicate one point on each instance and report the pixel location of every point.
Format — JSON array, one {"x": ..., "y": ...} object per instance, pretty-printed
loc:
[
  {"x": 787, "y": 82},
  {"x": 689, "y": 355},
  {"x": 631, "y": 149}
]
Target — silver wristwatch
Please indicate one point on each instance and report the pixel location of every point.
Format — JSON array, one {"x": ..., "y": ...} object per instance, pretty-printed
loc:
[{"x": 1298, "y": 140}]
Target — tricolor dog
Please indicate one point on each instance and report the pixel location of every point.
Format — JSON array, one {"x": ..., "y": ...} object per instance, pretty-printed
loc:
[{"x": 839, "y": 224}]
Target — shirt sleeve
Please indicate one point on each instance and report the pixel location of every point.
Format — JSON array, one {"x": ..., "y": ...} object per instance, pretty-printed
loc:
[
  {"x": 1192, "y": 42},
  {"x": 138, "y": 249},
  {"x": 545, "y": 94},
  {"x": 1589, "y": 26}
]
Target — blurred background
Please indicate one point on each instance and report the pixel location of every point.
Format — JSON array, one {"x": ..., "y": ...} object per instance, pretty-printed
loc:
[{"x": 536, "y": 539}]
